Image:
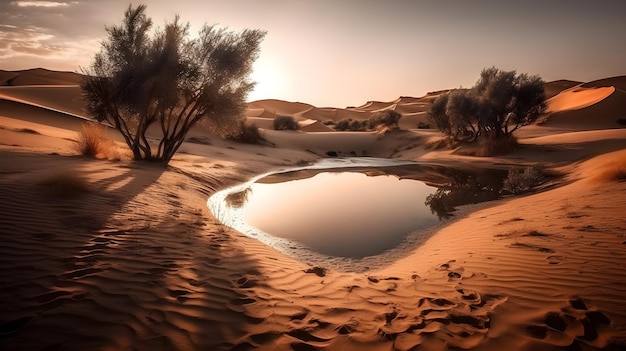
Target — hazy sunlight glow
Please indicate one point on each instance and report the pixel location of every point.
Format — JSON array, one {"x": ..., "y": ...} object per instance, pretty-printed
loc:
[{"x": 345, "y": 53}]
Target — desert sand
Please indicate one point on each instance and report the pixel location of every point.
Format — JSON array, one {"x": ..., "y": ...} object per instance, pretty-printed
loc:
[{"x": 134, "y": 260}]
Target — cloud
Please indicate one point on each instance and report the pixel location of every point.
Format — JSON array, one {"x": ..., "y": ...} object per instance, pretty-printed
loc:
[
  {"x": 39, "y": 3},
  {"x": 22, "y": 45},
  {"x": 63, "y": 34}
]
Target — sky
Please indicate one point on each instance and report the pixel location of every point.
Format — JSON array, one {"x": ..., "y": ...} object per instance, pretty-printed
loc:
[{"x": 338, "y": 53}]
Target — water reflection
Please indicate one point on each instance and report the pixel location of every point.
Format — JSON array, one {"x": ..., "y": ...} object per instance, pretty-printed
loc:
[
  {"x": 465, "y": 187},
  {"x": 346, "y": 214},
  {"x": 353, "y": 211},
  {"x": 239, "y": 198}
]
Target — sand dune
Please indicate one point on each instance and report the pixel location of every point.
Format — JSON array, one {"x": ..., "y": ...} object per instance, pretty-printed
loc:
[
  {"x": 577, "y": 98},
  {"x": 326, "y": 143},
  {"x": 313, "y": 125},
  {"x": 131, "y": 258},
  {"x": 261, "y": 122},
  {"x": 334, "y": 114},
  {"x": 413, "y": 120},
  {"x": 588, "y": 108},
  {"x": 320, "y": 114},
  {"x": 618, "y": 82},
  {"x": 65, "y": 98},
  {"x": 259, "y": 113},
  {"x": 557, "y": 86},
  {"x": 280, "y": 107},
  {"x": 374, "y": 106},
  {"x": 38, "y": 76}
]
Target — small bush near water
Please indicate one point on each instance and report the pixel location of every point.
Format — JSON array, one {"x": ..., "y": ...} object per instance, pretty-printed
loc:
[{"x": 523, "y": 180}]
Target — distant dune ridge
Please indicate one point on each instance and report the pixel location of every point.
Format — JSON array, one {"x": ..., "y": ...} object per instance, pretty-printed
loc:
[
  {"x": 569, "y": 102},
  {"x": 129, "y": 256},
  {"x": 38, "y": 76}
]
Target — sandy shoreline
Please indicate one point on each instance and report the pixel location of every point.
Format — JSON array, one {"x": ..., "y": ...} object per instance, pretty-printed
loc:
[{"x": 138, "y": 262}]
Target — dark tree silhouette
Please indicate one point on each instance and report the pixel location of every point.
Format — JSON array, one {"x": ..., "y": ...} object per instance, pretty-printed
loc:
[
  {"x": 162, "y": 82},
  {"x": 499, "y": 103}
]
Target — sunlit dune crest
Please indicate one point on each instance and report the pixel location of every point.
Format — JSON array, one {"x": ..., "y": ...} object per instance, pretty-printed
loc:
[
  {"x": 108, "y": 253},
  {"x": 577, "y": 98},
  {"x": 593, "y": 105}
]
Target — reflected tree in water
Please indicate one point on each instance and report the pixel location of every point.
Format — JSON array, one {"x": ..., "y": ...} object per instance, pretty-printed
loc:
[
  {"x": 464, "y": 188},
  {"x": 238, "y": 198}
]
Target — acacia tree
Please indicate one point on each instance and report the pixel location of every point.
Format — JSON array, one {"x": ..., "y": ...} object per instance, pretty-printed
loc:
[
  {"x": 498, "y": 104},
  {"x": 162, "y": 82}
]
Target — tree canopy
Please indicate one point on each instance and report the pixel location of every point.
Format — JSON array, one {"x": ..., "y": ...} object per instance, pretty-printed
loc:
[
  {"x": 498, "y": 104},
  {"x": 162, "y": 82}
]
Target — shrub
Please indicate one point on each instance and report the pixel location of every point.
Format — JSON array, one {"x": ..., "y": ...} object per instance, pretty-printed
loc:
[
  {"x": 352, "y": 125},
  {"x": 248, "y": 133},
  {"x": 65, "y": 185},
  {"x": 285, "y": 123},
  {"x": 522, "y": 180},
  {"x": 358, "y": 126},
  {"x": 387, "y": 118},
  {"x": 343, "y": 124},
  {"x": 92, "y": 140}
]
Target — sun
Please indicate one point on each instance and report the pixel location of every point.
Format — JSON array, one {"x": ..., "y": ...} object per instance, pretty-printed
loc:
[{"x": 271, "y": 81}]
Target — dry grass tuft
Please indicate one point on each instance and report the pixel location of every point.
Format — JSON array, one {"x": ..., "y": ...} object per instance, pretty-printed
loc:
[
  {"x": 65, "y": 185},
  {"x": 93, "y": 142},
  {"x": 615, "y": 171}
]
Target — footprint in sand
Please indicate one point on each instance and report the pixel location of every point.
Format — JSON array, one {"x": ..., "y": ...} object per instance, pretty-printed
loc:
[
  {"x": 320, "y": 272},
  {"x": 555, "y": 259},
  {"x": 454, "y": 275},
  {"x": 305, "y": 335},
  {"x": 246, "y": 283},
  {"x": 242, "y": 301},
  {"x": 180, "y": 295},
  {"x": 576, "y": 321},
  {"x": 299, "y": 316},
  {"x": 264, "y": 338},
  {"x": 348, "y": 328}
]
